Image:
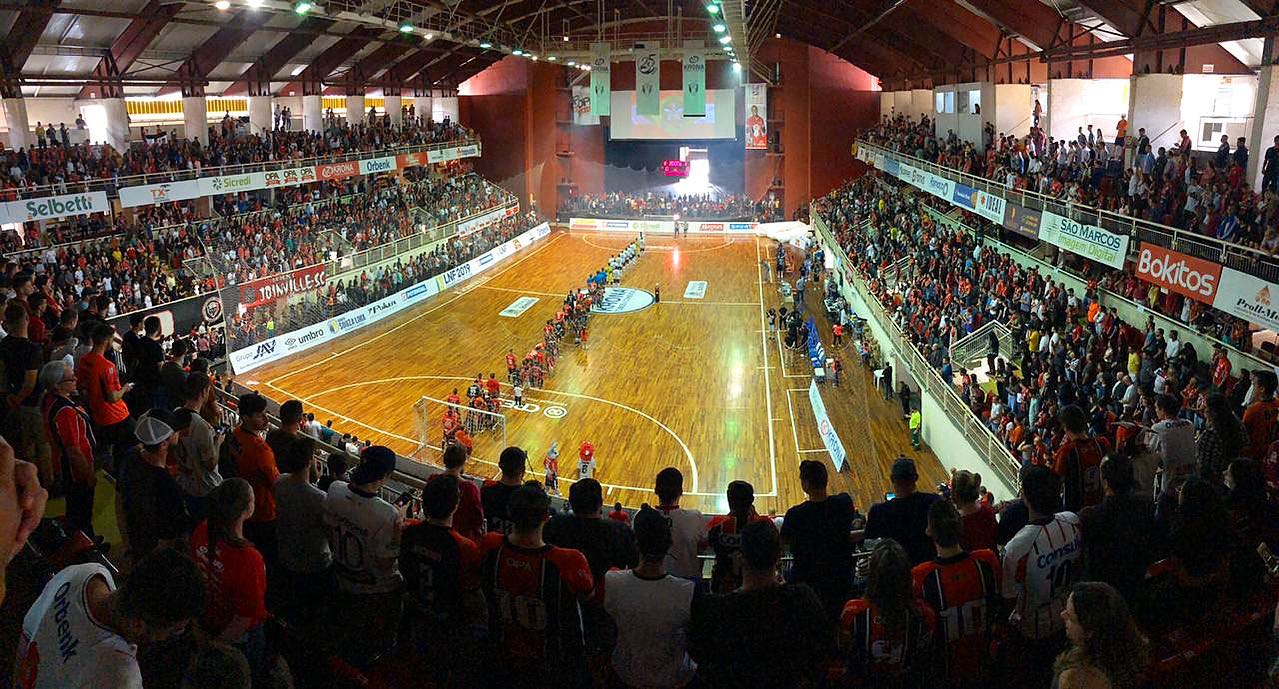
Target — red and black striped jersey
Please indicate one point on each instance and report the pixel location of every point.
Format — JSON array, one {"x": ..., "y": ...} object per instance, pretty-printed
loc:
[
  {"x": 724, "y": 536},
  {"x": 438, "y": 564},
  {"x": 875, "y": 650},
  {"x": 964, "y": 592},
  {"x": 533, "y": 597}
]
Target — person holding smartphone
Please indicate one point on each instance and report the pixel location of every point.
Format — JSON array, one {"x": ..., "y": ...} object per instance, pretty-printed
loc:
[{"x": 99, "y": 382}]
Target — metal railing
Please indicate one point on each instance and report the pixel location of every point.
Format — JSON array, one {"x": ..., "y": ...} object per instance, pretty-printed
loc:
[
  {"x": 979, "y": 437},
  {"x": 111, "y": 185},
  {"x": 1242, "y": 258},
  {"x": 975, "y": 345}
]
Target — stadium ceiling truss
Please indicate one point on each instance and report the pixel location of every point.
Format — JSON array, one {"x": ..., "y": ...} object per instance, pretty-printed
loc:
[{"x": 163, "y": 48}]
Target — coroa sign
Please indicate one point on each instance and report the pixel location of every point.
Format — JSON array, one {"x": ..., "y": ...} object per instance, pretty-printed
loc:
[{"x": 1177, "y": 272}]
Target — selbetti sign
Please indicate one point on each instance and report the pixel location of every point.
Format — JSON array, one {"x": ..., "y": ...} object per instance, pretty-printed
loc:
[
  {"x": 1180, "y": 273},
  {"x": 49, "y": 207}
]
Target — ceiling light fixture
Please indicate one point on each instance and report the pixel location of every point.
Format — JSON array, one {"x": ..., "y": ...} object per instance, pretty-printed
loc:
[
  {"x": 485, "y": 45},
  {"x": 430, "y": 36},
  {"x": 719, "y": 28},
  {"x": 725, "y": 40},
  {"x": 303, "y": 7},
  {"x": 712, "y": 8},
  {"x": 223, "y": 5},
  {"x": 551, "y": 58},
  {"x": 517, "y": 51},
  {"x": 406, "y": 28},
  {"x": 255, "y": 4},
  {"x": 566, "y": 38}
]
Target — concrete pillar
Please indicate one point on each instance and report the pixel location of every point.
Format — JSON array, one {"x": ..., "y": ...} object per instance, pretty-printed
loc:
[
  {"x": 195, "y": 117},
  {"x": 1265, "y": 120},
  {"x": 393, "y": 104},
  {"x": 1013, "y": 109},
  {"x": 422, "y": 108},
  {"x": 1155, "y": 103},
  {"x": 448, "y": 108},
  {"x": 355, "y": 110},
  {"x": 117, "y": 123},
  {"x": 15, "y": 116},
  {"x": 312, "y": 114},
  {"x": 260, "y": 114}
]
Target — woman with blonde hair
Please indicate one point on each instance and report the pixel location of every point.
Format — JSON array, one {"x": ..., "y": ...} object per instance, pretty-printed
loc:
[{"x": 1107, "y": 651}]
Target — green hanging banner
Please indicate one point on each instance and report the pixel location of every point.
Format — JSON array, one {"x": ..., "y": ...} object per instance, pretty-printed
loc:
[
  {"x": 648, "y": 67},
  {"x": 694, "y": 79},
  {"x": 601, "y": 85}
]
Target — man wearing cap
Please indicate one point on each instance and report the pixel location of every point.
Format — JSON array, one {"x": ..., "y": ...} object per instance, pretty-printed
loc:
[
  {"x": 154, "y": 514},
  {"x": 904, "y": 518},
  {"x": 364, "y": 534},
  {"x": 652, "y": 610},
  {"x": 255, "y": 462}
]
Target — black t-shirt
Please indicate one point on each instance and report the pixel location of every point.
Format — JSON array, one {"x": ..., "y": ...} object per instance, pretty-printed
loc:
[
  {"x": 605, "y": 543},
  {"x": 818, "y": 536},
  {"x": 904, "y": 520},
  {"x": 153, "y": 506},
  {"x": 19, "y": 356},
  {"x": 147, "y": 367},
  {"x": 775, "y": 637},
  {"x": 280, "y": 442},
  {"x": 1120, "y": 541},
  {"x": 494, "y": 496}
]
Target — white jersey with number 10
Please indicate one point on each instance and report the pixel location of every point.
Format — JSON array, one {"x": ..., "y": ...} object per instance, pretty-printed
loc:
[{"x": 1040, "y": 565}]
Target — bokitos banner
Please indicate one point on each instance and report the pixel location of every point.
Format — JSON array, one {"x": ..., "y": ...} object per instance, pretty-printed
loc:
[{"x": 1088, "y": 241}]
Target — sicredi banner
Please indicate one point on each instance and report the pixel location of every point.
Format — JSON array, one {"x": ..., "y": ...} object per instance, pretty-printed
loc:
[
  {"x": 49, "y": 207},
  {"x": 147, "y": 194},
  {"x": 1088, "y": 241},
  {"x": 1177, "y": 272},
  {"x": 1248, "y": 297},
  {"x": 232, "y": 184},
  {"x": 986, "y": 205},
  {"x": 280, "y": 346}
]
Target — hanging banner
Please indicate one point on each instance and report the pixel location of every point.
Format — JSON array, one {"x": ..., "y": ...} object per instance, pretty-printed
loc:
[
  {"x": 371, "y": 166},
  {"x": 1248, "y": 297},
  {"x": 289, "y": 177},
  {"x": 268, "y": 289},
  {"x": 1023, "y": 222},
  {"x": 601, "y": 80},
  {"x": 829, "y": 437},
  {"x": 331, "y": 171},
  {"x": 232, "y": 184},
  {"x": 147, "y": 194},
  {"x": 582, "y": 112},
  {"x": 756, "y": 117},
  {"x": 1088, "y": 241},
  {"x": 986, "y": 205},
  {"x": 694, "y": 79},
  {"x": 648, "y": 63}
]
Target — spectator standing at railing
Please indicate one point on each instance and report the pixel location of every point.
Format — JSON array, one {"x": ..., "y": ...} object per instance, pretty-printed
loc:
[
  {"x": 469, "y": 518},
  {"x": 495, "y": 495},
  {"x": 1121, "y": 537},
  {"x": 246, "y": 455},
  {"x": 289, "y": 430},
  {"x": 98, "y": 381},
  {"x": 888, "y": 634},
  {"x": 72, "y": 443},
  {"x": 364, "y": 535},
  {"x": 904, "y": 517},
  {"x": 304, "y": 579},
  {"x": 1261, "y": 418},
  {"x": 688, "y": 527},
  {"x": 23, "y": 424},
  {"x": 154, "y": 514},
  {"x": 198, "y": 450},
  {"x": 818, "y": 533}
]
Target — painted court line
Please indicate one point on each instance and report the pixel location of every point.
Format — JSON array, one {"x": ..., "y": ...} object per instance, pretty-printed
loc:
[{"x": 768, "y": 384}]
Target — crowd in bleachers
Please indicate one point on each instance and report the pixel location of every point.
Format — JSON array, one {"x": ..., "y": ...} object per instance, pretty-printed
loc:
[
  {"x": 1173, "y": 187},
  {"x": 53, "y": 162},
  {"x": 340, "y": 296},
  {"x": 146, "y": 264},
  {"x": 687, "y": 207},
  {"x": 1070, "y": 351}
]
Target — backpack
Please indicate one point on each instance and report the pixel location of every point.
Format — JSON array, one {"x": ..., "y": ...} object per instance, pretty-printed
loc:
[{"x": 229, "y": 456}]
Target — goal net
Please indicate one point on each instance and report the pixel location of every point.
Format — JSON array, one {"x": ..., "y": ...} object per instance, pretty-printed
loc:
[{"x": 440, "y": 422}]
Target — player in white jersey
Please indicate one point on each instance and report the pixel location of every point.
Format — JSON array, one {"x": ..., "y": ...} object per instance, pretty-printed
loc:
[
  {"x": 1041, "y": 563},
  {"x": 585, "y": 461},
  {"x": 688, "y": 527},
  {"x": 364, "y": 529},
  {"x": 82, "y": 632}
]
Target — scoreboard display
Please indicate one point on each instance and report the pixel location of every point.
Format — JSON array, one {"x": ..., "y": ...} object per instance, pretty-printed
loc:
[{"x": 675, "y": 168}]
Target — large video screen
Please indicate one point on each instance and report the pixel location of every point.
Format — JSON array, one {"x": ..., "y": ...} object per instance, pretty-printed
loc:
[{"x": 719, "y": 122}]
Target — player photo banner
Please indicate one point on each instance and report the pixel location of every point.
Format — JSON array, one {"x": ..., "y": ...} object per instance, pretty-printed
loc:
[
  {"x": 601, "y": 80},
  {"x": 648, "y": 67},
  {"x": 582, "y": 111},
  {"x": 756, "y": 117},
  {"x": 694, "y": 79}
]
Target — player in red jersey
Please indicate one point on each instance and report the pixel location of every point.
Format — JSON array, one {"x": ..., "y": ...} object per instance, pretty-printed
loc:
[
  {"x": 534, "y": 592},
  {"x": 724, "y": 531},
  {"x": 963, "y": 589},
  {"x": 888, "y": 634},
  {"x": 492, "y": 387},
  {"x": 454, "y": 398},
  {"x": 451, "y": 425},
  {"x": 511, "y": 364},
  {"x": 586, "y": 336}
]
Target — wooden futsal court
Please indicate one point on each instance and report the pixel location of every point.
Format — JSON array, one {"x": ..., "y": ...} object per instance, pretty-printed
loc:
[{"x": 697, "y": 384}]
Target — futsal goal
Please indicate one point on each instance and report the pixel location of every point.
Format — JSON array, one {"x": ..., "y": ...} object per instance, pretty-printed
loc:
[{"x": 438, "y": 421}]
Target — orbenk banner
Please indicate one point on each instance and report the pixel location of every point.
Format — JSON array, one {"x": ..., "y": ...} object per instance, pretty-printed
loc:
[{"x": 601, "y": 80}]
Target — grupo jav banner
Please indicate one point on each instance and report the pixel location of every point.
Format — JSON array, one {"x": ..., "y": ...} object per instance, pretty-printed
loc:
[
  {"x": 268, "y": 289},
  {"x": 1177, "y": 272}
]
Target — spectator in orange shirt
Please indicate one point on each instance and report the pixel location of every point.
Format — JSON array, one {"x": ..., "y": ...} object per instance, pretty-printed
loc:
[
  {"x": 1261, "y": 418},
  {"x": 98, "y": 381},
  {"x": 255, "y": 462}
]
